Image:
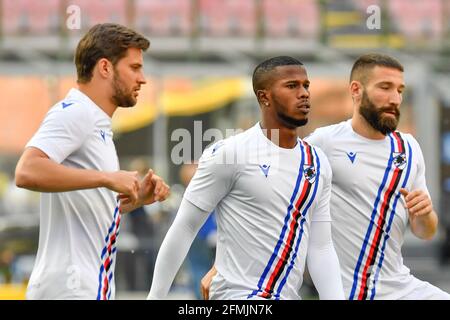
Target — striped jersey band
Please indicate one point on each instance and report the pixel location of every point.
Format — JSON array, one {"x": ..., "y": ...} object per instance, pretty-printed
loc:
[
  {"x": 283, "y": 257},
  {"x": 371, "y": 256},
  {"x": 108, "y": 255}
]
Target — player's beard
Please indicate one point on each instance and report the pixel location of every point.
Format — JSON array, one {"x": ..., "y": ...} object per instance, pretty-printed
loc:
[
  {"x": 291, "y": 122},
  {"x": 287, "y": 120},
  {"x": 120, "y": 97},
  {"x": 374, "y": 116}
]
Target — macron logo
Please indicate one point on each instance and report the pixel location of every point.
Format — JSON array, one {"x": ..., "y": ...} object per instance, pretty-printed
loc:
[
  {"x": 65, "y": 105},
  {"x": 102, "y": 133},
  {"x": 265, "y": 169},
  {"x": 351, "y": 156},
  {"x": 217, "y": 146}
]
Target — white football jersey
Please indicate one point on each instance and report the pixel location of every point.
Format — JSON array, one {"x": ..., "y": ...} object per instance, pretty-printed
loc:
[
  {"x": 369, "y": 217},
  {"x": 265, "y": 198},
  {"x": 78, "y": 229}
]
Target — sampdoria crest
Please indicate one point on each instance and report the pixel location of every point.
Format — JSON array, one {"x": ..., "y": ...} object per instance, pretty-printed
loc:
[
  {"x": 399, "y": 160},
  {"x": 310, "y": 173}
]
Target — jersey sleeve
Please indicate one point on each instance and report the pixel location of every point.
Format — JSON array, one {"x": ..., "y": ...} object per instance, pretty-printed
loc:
[
  {"x": 322, "y": 209},
  {"x": 214, "y": 177},
  {"x": 63, "y": 131},
  {"x": 419, "y": 183}
]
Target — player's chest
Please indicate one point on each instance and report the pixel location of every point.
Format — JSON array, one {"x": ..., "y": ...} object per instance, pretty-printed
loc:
[
  {"x": 358, "y": 167},
  {"x": 268, "y": 181},
  {"x": 99, "y": 148}
]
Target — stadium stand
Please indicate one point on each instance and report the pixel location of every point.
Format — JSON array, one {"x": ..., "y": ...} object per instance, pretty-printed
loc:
[
  {"x": 227, "y": 18},
  {"x": 23, "y": 17},
  {"x": 288, "y": 18},
  {"x": 426, "y": 17},
  {"x": 164, "y": 18}
]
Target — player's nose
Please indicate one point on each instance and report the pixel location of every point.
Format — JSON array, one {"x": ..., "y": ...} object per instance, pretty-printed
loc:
[
  {"x": 395, "y": 98},
  {"x": 141, "y": 79}
]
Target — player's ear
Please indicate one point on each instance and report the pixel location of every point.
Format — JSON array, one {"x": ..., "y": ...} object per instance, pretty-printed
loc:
[
  {"x": 104, "y": 68},
  {"x": 356, "y": 90},
  {"x": 263, "y": 97}
]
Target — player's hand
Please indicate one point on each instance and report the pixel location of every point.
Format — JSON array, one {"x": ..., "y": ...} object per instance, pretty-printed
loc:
[
  {"x": 417, "y": 202},
  {"x": 153, "y": 188},
  {"x": 126, "y": 183},
  {"x": 205, "y": 283}
]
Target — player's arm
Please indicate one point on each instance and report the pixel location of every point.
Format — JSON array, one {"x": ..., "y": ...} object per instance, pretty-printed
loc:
[
  {"x": 323, "y": 263},
  {"x": 36, "y": 171},
  {"x": 322, "y": 260},
  {"x": 175, "y": 247},
  {"x": 211, "y": 183},
  {"x": 422, "y": 218}
]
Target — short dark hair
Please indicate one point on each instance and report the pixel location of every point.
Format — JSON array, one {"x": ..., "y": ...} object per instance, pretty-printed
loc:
[
  {"x": 106, "y": 40},
  {"x": 367, "y": 62},
  {"x": 262, "y": 70}
]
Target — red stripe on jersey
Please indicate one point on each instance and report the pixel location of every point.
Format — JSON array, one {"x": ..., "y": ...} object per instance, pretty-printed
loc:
[{"x": 292, "y": 229}]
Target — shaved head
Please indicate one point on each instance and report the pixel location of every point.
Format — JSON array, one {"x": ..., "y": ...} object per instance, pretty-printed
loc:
[{"x": 264, "y": 72}]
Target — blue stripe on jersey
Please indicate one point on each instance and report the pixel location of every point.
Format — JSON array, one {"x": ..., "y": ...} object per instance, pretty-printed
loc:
[
  {"x": 109, "y": 281},
  {"x": 299, "y": 239},
  {"x": 391, "y": 218},
  {"x": 100, "y": 282},
  {"x": 372, "y": 219},
  {"x": 104, "y": 250},
  {"x": 111, "y": 228},
  {"x": 283, "y": 230},
  {"x": 111, "y": 275}
]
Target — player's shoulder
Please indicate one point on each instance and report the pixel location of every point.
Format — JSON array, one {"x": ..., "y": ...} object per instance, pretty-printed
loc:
[
  {"x": 333, "y": 128},
  {"x": 321, "y": 135},
  {"x": 323, "y": 159},
  {"x": 317, "y": 149},
  {"x": 223, "y": 157},
  {"x": 71, "y": 108},
  {"x": 230, "y": 144},
  {"x": 409, "y": 138},
  {"x": 75, "y": 110}
]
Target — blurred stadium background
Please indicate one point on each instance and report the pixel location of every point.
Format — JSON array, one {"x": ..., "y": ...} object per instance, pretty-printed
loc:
[{"x": 199, "y": 68}]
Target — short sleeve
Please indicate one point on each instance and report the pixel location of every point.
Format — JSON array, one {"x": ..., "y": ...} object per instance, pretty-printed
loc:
[
  {"x": 214, "y": 177},
  {"x": 322, "y": 209},
  {"x": 63, "y": 130}
]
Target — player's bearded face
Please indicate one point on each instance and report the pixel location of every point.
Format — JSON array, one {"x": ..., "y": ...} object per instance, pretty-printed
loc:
[
  {"x": 283, "y": 114},
  {"x": 377, "y": 117},
  {"x": 122, "y": 94}
]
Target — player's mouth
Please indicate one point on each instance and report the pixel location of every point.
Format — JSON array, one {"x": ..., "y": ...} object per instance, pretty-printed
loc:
[
  {"x": 392, "y": 113},
  {"x": 304, "y": 107}
]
